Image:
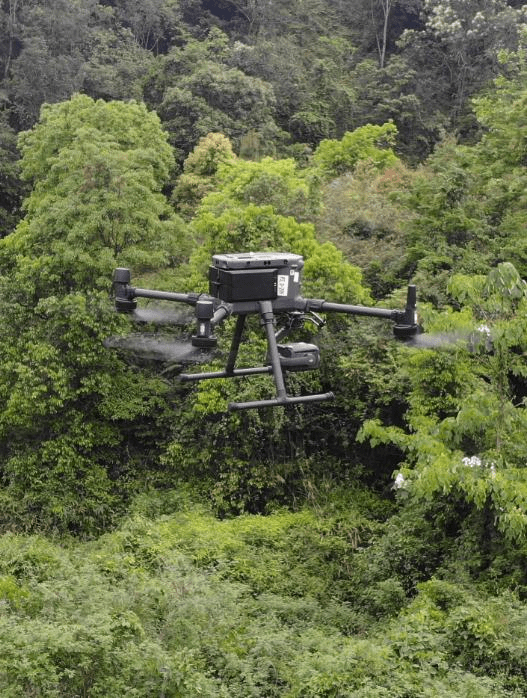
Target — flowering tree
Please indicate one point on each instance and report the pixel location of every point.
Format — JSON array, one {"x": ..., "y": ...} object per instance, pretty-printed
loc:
[
  {"x": 473, "y": 32},
  {"x": 467, "y": 411}
]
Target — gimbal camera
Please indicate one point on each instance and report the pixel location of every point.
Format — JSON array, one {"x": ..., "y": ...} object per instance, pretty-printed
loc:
[{"x": 268, "y": 284}]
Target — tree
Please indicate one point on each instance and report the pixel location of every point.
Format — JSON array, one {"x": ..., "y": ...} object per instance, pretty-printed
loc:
[
  {"x": 469, "y": 201},
  {"x": 362, "y": 214},
  {"x": 11, "y": 187},
  {"x": 116, "y": 168},
  {"x": 117, "y": 64},
  {"x": 68, "y": 405},
  {"x": 54, "y": 44},
  {"x": 154, "y": 24},
  {"x": 456, "y": 51},
  {"x": 467, "y": 407},
  {"x": 38, "y": 76},
  {"x": 196, "y": 92},
  {"x": 376, "y": 25},
  {"x": 269, "y": 182},
  {"x": 312, "y": 80},
  {"x": 199, "y": 171},
  {"x": 398, "y": 93},
  {"x": 11, "y": 29},
  {"x": 385, "y": 7},
  {"x": 499, "y": 161},
  {"x": 372, "y": 143}
]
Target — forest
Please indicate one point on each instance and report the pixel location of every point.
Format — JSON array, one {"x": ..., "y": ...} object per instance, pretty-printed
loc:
[{"x": 153, "y": 543}]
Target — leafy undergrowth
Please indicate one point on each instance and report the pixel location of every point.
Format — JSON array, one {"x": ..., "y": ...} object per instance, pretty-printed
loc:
[{"x": 187, "y": 605}]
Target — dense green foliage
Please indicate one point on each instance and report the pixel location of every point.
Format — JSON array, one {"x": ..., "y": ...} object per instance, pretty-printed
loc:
[
  {"x": 96, "y": 171},
  {"x": 188, "y": 605},
  {"x": 261, "y": 74}
]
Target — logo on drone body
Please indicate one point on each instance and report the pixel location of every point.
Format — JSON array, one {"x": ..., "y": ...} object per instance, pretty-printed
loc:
[{"x": 282, "y": 285}]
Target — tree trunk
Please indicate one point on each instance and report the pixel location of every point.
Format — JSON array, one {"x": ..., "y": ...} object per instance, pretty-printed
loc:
[{"x": 382, "y": 40}]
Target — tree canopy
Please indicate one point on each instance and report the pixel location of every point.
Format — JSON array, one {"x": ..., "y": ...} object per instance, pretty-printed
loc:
[{"x": 96, "y": 171}]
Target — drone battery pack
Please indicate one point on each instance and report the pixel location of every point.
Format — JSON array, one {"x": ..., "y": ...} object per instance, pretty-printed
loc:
[{"x": 254, "y": 276}]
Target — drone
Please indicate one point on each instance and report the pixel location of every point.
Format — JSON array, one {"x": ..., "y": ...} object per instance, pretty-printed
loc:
[{"x": 267, "y": 284}]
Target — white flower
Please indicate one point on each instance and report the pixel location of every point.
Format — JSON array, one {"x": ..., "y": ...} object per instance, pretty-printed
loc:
[
  {"x": 471, "y": 461},
  {"x": 484, "y": 329},
  {"x": 399, "y": 481},
  {"x": 476, "y": 462}
]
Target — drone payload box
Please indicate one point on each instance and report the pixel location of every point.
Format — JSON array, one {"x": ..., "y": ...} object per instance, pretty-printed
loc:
[{"x": 255, "y": 276}]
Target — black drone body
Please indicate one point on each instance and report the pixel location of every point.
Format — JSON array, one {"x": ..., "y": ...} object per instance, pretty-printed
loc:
[{"x": 267, "y": 284}]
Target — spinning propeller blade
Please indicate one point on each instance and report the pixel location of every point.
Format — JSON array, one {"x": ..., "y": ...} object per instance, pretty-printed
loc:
[
  {"x": 473, "y": 340},
  {"x": 162, "y": 316},
  {"x": 437, "y": 340},
  {"x": 153, "y": 347}
]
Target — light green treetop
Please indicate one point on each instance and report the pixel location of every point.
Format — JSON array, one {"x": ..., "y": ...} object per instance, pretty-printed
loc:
[
  {"x": 97, "y": 170},
  {"x": 370, "y": 142}
]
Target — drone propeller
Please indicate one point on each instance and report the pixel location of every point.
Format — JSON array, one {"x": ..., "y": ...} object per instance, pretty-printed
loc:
[
  {"x": 162, "y": 316},
  {"x": 473, "y": 340},
  {"x": 436, "y": 340},
  {"x": 159, "y": 348}
]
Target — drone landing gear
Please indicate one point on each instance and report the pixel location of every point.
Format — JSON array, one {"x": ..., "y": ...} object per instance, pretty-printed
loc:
[{"x": 278, "y": 361}]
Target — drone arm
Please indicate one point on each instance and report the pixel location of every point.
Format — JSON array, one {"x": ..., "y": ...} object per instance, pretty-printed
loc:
[
  {"x": 220, "y": 314},
  {"x": 189, "y": 298},
  {"x": 125, "y": 294},
  {"x": 327, "y": 306},
  {"x": 405, "y": 320}
]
